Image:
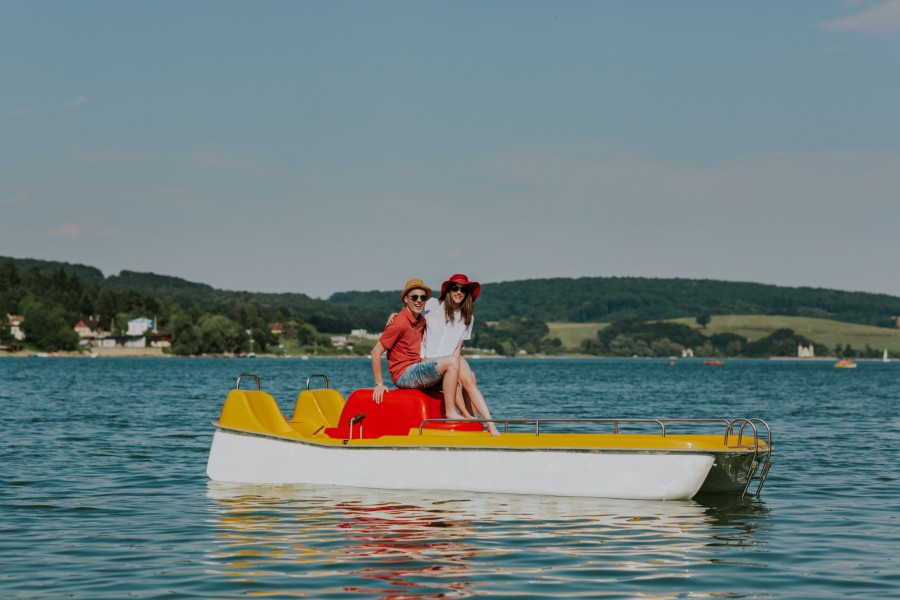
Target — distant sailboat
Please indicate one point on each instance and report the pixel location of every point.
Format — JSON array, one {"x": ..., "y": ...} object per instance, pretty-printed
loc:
[{"x": 885, "y": 357}]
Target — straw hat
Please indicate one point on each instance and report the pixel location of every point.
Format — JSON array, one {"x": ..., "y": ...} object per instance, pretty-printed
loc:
[{"x": 412, "y": 284}]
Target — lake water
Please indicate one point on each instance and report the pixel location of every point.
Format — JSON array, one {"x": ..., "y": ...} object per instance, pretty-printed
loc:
[{"x": 104, "y": 492}]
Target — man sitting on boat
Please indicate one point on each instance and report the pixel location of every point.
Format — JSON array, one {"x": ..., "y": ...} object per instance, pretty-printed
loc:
[{"x": 402, "y": 339}]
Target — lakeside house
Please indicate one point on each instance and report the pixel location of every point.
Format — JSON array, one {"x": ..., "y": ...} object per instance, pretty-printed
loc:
[
  {"x": 14, "y": 322},
  {"x": 139, "y": 326},
  {"x": 362, "y": 333},
  {"x": 90, "y": 331},
  {"x": 139, "y": 332},
  {"x": 161, "y": 339}
]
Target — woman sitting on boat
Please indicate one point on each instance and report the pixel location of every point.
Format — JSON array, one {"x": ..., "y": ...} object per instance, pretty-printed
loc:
[{"x": 448, "y": 324}]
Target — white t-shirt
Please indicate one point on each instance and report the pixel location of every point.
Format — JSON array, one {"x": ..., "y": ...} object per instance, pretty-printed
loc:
[{"x": 441, "y": 337}]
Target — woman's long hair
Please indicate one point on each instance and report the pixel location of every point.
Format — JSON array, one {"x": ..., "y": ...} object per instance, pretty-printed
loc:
[{"x": 466, "y": 308}]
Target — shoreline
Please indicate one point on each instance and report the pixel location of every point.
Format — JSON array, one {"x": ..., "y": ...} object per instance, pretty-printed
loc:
[{"x": 158, "y": 353}]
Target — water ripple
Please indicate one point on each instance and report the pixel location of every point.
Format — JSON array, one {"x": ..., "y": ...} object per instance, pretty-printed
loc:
[{"x": 104, "y": 493}]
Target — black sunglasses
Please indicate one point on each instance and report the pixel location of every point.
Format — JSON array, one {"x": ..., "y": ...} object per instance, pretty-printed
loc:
[
  {"x": 459, "y": 288},
  {"x": 416, "y": 298}
]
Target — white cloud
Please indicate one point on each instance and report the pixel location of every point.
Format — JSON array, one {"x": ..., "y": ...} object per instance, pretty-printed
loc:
[
  {"x": 74, "y": 104},
  {"x": 68, "y": 231},
  {"x": 28, "y": 110},
  {"x": 880, "y": 20},
  {"x": 19, "y": 113}
]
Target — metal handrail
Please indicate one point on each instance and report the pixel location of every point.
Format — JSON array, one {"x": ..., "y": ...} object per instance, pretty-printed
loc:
[
  {"x": 766, "y": 458},
  {"x": 537, "y": 422},
  {"x": 761, "y": 458},
  {"x": 308, "y": 379},
  {"x": 238, "y": 384}
]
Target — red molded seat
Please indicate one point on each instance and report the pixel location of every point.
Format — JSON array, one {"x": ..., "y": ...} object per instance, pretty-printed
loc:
[{"x": 399, "y": 411}]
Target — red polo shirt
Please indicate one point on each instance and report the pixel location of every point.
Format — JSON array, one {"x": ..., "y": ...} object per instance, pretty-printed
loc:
[{"x": 403, "y": 340}]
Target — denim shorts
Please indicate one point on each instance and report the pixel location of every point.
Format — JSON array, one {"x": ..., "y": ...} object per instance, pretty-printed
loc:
[{"x": 421, "y": 375}]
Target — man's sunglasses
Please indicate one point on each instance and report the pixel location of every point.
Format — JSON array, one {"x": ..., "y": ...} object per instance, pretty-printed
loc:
[
  {"x": 459, "y": 288},
  {"x": 417, "y": 298}
]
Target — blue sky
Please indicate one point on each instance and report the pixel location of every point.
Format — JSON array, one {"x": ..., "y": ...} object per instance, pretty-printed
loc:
[{"x": 317, "y": 147}]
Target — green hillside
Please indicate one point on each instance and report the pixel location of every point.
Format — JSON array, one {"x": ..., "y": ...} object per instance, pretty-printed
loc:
[
  {"x": 608, "y": 299},
  {"x": 602, "y": 316},
  {"x": 325, "y": 316},
  {"x": 572, "y": 334},
  {"x": 755, "y": 327},
  {"x": 824, "y": 331},
  {"x": 561, "y": 300},
  {"x": 88, "y": 275}
]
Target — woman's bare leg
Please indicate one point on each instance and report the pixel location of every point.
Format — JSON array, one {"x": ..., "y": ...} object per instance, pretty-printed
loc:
[
  {"x": 470, "y": 385},
  {"x": 463, "y": 403},
  {"x": 448, "y": 367}
]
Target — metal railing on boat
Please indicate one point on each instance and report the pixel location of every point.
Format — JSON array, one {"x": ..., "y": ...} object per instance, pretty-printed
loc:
[
  {"x": 237, "y": 386},
  {"x": 316, "y": 376},
  {"x": 759, "y": 466}
]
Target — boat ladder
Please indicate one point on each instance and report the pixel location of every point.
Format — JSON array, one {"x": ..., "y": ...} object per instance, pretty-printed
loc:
[{"x": 762, "y": 458}]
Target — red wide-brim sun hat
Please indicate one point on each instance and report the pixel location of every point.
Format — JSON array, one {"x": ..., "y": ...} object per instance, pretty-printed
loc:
[{"x": 459, "y": 278}]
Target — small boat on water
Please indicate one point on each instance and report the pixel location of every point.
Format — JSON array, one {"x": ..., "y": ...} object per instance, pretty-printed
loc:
[
  {"x": 714, "y": 363},
  {"x": 404, "y": 443},
  {"x": 845, "y": 363},
  {"x": 885, "y": 358}
]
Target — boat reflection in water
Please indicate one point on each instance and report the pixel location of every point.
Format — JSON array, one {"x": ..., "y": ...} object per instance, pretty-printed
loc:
[{"x": 320, "y": 540}]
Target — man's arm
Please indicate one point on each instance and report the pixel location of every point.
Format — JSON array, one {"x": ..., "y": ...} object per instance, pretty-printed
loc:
[{"x": 380, "y": 388}]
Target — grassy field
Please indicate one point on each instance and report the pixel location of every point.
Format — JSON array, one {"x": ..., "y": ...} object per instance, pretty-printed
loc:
[
  {"x": 823, "y": 331},
  {"x": 571, "y": 334},
  {"x": 754, "y": 327}
]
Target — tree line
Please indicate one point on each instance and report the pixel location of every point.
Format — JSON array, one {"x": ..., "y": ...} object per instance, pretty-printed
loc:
[
  {"x": 633, "y": 337},
  {"x": 610, "y": 299},
  {"x": 512, "y": 316},
  {"x": 201, "y": 320},
  {"x": 648, "y": 339}
]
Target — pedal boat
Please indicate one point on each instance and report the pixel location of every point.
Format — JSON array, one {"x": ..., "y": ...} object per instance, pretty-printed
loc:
[
  {"x": 845, "y": 363},
  {"x": 404, "y": 443}
]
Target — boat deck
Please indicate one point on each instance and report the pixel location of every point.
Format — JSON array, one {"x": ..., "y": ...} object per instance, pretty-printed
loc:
[{"x": 412, "y": 420}]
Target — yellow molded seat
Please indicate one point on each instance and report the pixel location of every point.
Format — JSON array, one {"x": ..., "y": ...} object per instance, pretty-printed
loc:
[
  {"x": 319, "y": 408},
  {"x": 253, "y": 411}
]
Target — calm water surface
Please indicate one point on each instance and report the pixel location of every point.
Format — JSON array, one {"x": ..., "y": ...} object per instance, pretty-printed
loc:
[{"x": 104, "y": 492}]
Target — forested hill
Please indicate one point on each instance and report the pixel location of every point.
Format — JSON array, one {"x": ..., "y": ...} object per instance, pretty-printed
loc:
[
  {"x": 86, "y": 274},
  {"x": 326, "y": 316},
  {"x": 586, "y": 299},
  {"x": 606, "y": 299}
]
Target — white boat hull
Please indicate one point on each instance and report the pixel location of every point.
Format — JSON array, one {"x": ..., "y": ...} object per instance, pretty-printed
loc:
[{"x": 641, "y": 475}]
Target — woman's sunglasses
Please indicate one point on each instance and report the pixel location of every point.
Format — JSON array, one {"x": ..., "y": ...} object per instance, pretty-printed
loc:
[
  {"x": 459, "y": 288},
  {"x": 417, "y": 298}
]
